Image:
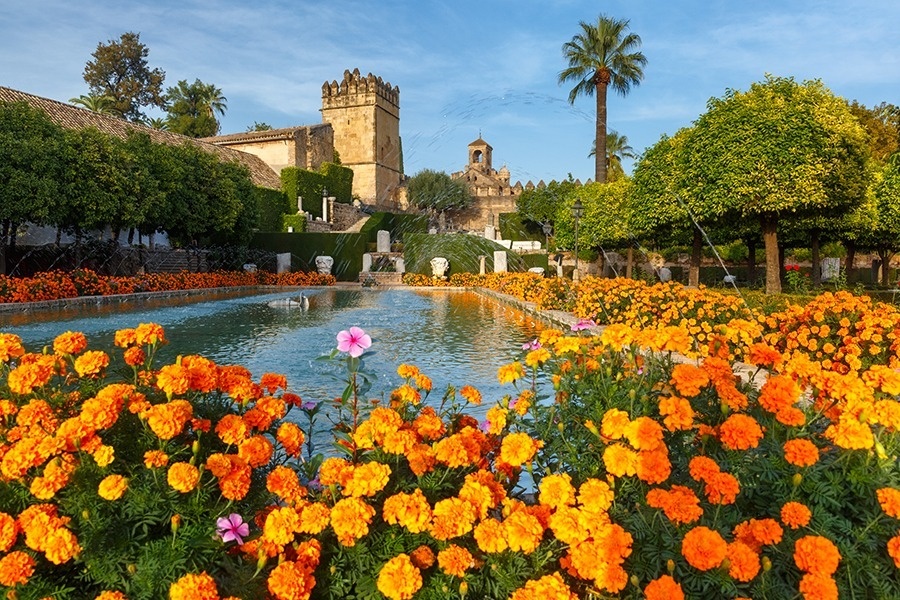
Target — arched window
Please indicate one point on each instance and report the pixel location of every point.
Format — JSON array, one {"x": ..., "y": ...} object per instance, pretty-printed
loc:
[{"x": 476, "y": 156}]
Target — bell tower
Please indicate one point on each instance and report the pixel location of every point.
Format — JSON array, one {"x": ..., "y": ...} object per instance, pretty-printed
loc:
[{"x": 480, "y": 155}]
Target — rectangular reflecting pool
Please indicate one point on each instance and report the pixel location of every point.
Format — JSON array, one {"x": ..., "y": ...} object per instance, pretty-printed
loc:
[{"x": 454, "y": 337}]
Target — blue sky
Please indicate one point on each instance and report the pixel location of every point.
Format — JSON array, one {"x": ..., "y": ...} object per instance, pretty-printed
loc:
[{"x": 464, "y": 67}]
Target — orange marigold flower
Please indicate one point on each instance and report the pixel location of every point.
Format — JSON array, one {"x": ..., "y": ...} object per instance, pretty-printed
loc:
[
  {"x": 653, "y": 466},
  {"x": 104, "y": 455},
  {"x": 455, "y": 560},
  {"x": 889, "y": 499},
  {"x": 256, "y": 450},
  {"x": 557, "y": 490},
  {"x": 9, "y": 531},
  {"x": 523, "y": 532},
  {"x": 429, "y": 425},
  {"x": 702, "y": 468},
  {"x": 183, "y": 477},
  {"x": 284, "y": 483},
  {"x": 16, "y": 568},
  {"x": 517, "y": 449},
  {"x": 291, "y": 438},
  {"x": 762, "y": 354},
  {"x": 815, "y": 586},
  {"x": 549, "y": 587},
  {"x": 850, "y": 434},
  {"x": 743, "y": 562},
  {"x": 10, "y": 347},
  {"x": 111, "y": 595},
  {"x": 335, "y": 471},
  {"x": 168, "y": 420},
  {"x": 291, "y": 580},
  {"x": 271, "y": 382},
  {"x": 91, "y": 363},
  {"x": 740, "y": 432},
  {"x": 689, "y": 379},
  {"x": 893, "y": 548},
  {"x": 70, "y": 342},
  {"x": 620, "y": 460},
  {"x": 28, "y": 376},
  {"x": 497, "y": 417},
  {"x": 452, "y": 517},
  {"x": 174, "y": 380},
  {"x": 155, "y": 459},
  {"x": 149, "y": 333},
  {"x": 314, "y": 518},
  {"x": 134, "y": 356},
  {"x": 595, "y": 496},
  {"x": 194, "y": 587},
  {"x": 350, "y": 519},
  {"x": 489, "y": 535},
  {"x": 644, "y": 433},
  {"x": 399, "y": 579},
  {"x": 570, "y": 525},
  {"x": 472, "y": 395},
  {"x": 801, "y": 453},
  {"x": 679, "y": 416},
  {"x": 280, "y": 526},
  {"x": 60, "y": 546},
  {"x": 795, "y": 515},
  {"x": 231, "y": 429},
  {"x": 125, "y": 338},
  {"x": 722, "y": 488},
  {"x": 112, "y": 487},
  {"x": 614, "y": 423},
  {"x": 408, "y": 510},
  {"x": 664, "y": 588},
  {"x": 423, "y": 382},
  {"x": 778, "y": 392},
  {"x": 703, "y": 548},
  {"x": 679, "y": 504},
  {"x": 816, "y": 554},
  {"x": 367, "y": 480},
  {"x": 422, "y": 557},
  {"x": 408, "y": 371}
]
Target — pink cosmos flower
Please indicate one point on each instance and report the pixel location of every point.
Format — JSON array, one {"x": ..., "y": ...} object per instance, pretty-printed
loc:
[
  {"x": 232, "y": 528},
  {"x": 354, "y": 342},
  {"x": 532, "y": 345},
  {"x": 583, "y": 324}
]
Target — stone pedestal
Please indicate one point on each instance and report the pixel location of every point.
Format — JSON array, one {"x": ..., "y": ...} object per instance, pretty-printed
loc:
[
  {"x": 383, "y": 241},
  {"x": 500, "y": 261},
  {"x": 490, "y": 232},
  {"x": 366, "y": 262},
  {"x": 482, "y": 260},
  {"x": 324, "y": 264},
  {"x": 400, "y": 265},
  {"x": 283, "y": 262}
]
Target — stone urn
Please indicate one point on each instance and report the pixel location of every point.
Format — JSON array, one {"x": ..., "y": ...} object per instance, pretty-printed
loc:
[
  {"x": 324, "y": 264},
  {"x": 439, "y": 266}
]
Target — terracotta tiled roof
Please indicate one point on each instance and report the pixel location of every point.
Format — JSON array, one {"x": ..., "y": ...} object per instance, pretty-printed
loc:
[
  {"x": 481, "y": 142},
  {"x": 73, "y": 117},
  {"x": 286, "y": 133}
]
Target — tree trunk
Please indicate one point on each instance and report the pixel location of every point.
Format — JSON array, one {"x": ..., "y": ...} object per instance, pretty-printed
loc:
[
  {"x": 769, "y": 225},
  {"x": 751, "y": 262},
  {"x": 884, "y": 255},
  {"x": 602, "y": 79},
  {"x": 816, "y": 259},
  {"x": 851, "y": 258},
  {"x": 629, "y": 263},
  {"x": 58, "y": 237},
  {"x": 131, "y": 236},
  {"x": 696, "y": 249}
]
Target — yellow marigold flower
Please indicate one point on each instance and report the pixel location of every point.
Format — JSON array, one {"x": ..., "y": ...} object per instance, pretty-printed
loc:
[
  {"x": 408, "y": 371},
  {"x": 549, "y": 587},
  {"x": 452, "y": 517},
  {"x": 112, "y": 487},
  {"x": 280, "y": 526},
  {"x": 168, "y": 420},
  {"x": 194, "y": 587},
  {"x": 16, "y": 568},
  {"x": 570, "y": 525},
  {"x": 567, "y": 344},
  {"x": 510, "y": 373},
  {"x": 91, "y": 363},
  {"x": 155, "y": 458},
  {"x": 497, "y": 419},
  {"x": 104, "y": 455},
  {"x": 617, "y": 336},
  {"x": 557, "y": 491},
  {"x": 489, "y": 535},
  {"x": 314, "y": 518},
  {"x": 406, "y": 394},
  {"x": 350, "y": 519},
  {"x": 455, "y": 560},
  {"x": 149, "y": 333},
  {"x": 523, "y": 532},
  {"x": 517, "y": 449},
  {"x": 183, "y": 477},
  {"x": 536, "y": 358},
  {"x": 399, "y": 579},
  {"x": 595, "y": 496},
  {"x": 850, "y": 434},
  {"x": 472, "y": 395},
  {"x": 408, "y": 510},
  {"x": 367, "y": 480},
  {"x": 10, "y": 347},
  {"x": 614, "y": 423},
  {"x": 335, "y": 471},
  {"x": 620, "y": 460},
  {"x": 70, "y": 342}
]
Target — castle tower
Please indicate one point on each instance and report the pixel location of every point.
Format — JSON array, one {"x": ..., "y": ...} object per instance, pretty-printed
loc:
[
  {"x": 480, "y": 155},
  {"x": 364, "y": 113}
]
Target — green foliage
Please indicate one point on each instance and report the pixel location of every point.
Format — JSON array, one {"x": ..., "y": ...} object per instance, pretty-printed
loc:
[
  {"x": 541, "y": 204},
  {"x": 461, "y": 250},
  {"x": 345, "y": 248},
  {"x": 338, "y": 181},
  {"x": 512, "y": 227},
  {"x": 606, "y": 221},
  {"x": 272, "y": 206},
  {"x": 308, "y": 185},
  {"x": 297, "y": 222},
  {"x": 259, "y": 126},
  {"x": 120, "y": 71},
  {"x": 193, "y": 108},
  {"x": 437, "y": 191}
]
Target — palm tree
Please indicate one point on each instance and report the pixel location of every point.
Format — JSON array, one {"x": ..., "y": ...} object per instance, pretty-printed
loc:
[
  {"x": 617, "y": 148},
  {"x": 603, "y": 54},
  {"x": 157, "y": 123},
  {"x": 192, "y": 108},
  {"x": 104, "y": 105}
]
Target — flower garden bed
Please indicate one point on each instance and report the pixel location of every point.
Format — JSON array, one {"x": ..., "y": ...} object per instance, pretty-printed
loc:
[{"x": 145, "y": 476}]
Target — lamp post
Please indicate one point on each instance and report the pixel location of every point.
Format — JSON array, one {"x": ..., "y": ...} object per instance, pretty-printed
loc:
[{"x": 577, "y": 212}]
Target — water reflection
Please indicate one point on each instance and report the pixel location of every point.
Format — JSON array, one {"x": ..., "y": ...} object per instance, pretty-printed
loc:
[{"x": 456, "y": 338}]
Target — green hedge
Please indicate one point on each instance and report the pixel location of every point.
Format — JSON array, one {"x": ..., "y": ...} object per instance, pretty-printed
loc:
[
  {"x": 298, "y": 222},
  {"x": 338, "y": 181},
  {"x": 461, "y": 250},
  {"x": 345, "y": 248},
  {"x": 398, "y": 224},
  {"x": 512, "y": 227},
  {"x": 271, "y": 205}
]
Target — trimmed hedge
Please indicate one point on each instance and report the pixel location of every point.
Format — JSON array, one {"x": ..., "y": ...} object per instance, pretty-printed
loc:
[
  {"x": 461, "y": 250},
  {"x": 338, "y": 182},
  {"x": 271, "y": 206},
  {"x": 334, "y": 179},
  {"x": 298, "y": 222},
  {"x": 397, "y": 224},
  {"x": 345, "y": 248},
  {"x": 512, "y": 227}
]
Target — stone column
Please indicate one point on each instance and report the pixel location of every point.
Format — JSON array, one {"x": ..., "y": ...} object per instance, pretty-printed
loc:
[
  {"x": 490, "y": 233},
  {"x": 383, "y": 241},
  {"x": 366, "y": 262},
  {"x": 500, "y": 261}
]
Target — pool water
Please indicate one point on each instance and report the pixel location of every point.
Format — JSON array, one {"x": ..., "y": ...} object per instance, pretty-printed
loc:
[{"x": 454, "y": 337}]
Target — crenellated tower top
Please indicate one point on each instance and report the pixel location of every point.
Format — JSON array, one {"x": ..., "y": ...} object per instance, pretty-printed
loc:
[{"x": 353, "y": 84}]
